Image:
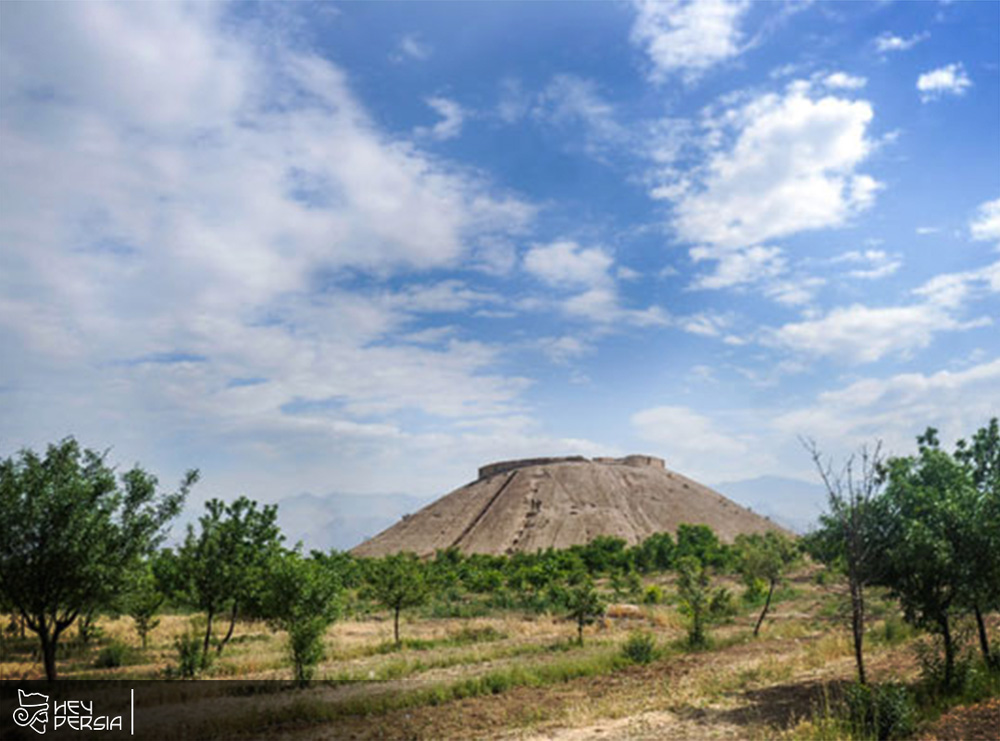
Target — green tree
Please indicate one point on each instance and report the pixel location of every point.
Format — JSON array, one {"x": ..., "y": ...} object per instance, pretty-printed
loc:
[
  {"x": 695, "y": 595},
  {"x": 847, "y": 537},
  {"x": 700, "y": 542},
  {"x": 584, "y": 605},
  {"x": 981, "y": 575},
  {"x": 300, "y": 598},
  {"x": 219, "y": 569},
  {"x": 655, "y": 553},
  {"x": 143, "y": 600},
  {"x": 71, "y": 532},
  {"x": 766, "y": 558},
  {"x": 397, "y": 582},
  {"x": 929, "y": 499}
]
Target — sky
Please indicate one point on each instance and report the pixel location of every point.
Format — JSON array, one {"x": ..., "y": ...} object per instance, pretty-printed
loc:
[{"x": 366, "y": 248}]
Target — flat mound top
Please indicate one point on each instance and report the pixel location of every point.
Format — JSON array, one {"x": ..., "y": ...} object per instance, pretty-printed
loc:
[{"x": 533, "y": 504}]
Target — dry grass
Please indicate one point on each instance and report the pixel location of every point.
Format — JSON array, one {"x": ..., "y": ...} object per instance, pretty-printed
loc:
[{"x": 519, "y": 675}]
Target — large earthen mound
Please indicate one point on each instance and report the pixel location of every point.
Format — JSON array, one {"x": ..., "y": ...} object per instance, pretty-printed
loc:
[{"x": 534, "y": 504}]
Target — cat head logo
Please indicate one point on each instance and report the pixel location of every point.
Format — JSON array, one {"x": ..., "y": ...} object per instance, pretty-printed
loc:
[{"x": 34, "y": 710}]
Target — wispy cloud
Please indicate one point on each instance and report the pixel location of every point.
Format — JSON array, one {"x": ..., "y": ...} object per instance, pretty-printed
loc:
[
  {"x": 890, "y": 42},
  {"x": 452, "y": 117},
  {"x": 410, "y": 47}
]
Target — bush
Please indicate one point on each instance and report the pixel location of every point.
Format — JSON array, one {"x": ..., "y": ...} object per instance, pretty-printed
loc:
[
  {"x": 305, "y": 644},
  {"x": 640, "y": 648},
  {"x": 723, "y": 605},
  {"x": 653, "y": 595},
  {"x": 882, "y": 712},
  {"x": 190, "y": 660},
  {"x": 113, "y": 655}
]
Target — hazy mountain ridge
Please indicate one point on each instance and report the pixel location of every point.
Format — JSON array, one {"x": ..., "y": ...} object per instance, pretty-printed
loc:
[{"x": 794, "y": 503}]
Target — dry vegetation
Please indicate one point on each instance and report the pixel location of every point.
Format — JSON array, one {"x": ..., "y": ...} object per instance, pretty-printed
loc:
[{"x": 512, "y": 675}]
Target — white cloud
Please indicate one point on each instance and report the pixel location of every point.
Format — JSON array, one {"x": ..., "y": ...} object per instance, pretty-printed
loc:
[
  {"x": 736, "y": 267},
  {"x": 218, "y": 202},
  {"x": 562, "y": 350},
  {"x": 986, "y": 226},
  {"x": 791, "y": 168},
  {"x": 696, "y": 445},
  {"x": 952, "y": 290},
  {"x": 860, "y": 334},
  {"x": 874, "y": 264},
  {"x": 898, "y": 408},
  {"x": 890, "y": 42},
  {"x": 450, "y": 125},
  {"x": 687, "y": 37},
  {"x": 411, "y": 47},
  {"x": 569, "y": 99},
  {"x": 948, "y": 80},
  {"x": 844, "y": 81},
  {"x": 568, "y": 264},
  {"x": 587, "y": 272}
]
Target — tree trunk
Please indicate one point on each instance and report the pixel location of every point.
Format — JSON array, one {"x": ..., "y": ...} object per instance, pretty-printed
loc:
[
  {"x": 48, "y": 653},
  {"x": 767, "y": 604},
  {"x": 395, "y": 626},
  {"x": 208, "y": 636},
  {"x": 229, "y": 633},
  {"x": 858, "y": 628},
  {"x": 949, "y": 650},
  {"x": 579, "y": 632},
  {"x": 984, "y": 641}
]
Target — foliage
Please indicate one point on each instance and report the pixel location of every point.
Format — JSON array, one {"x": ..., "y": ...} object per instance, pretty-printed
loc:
[
  {"x": 220, "y": 568},
  {"x": 980, "y": 588},
  {"x": 397, "y": 582},
  {"x": 923, "y": 524},
  {"x": 191, "y": 660},
  {"x": 584, "y": 606},
  {"x": 880, "y": 712},
  {"x": 700, "y": 542},
  {"x": 847, "y": 538},
  {"x": 143, "y": 600},
  {"x": 114, "y": 655},
  {"x": 653, "y": 595},
  {"x": 640, "y": 648},
  {"x": 764, "y": 560},
  {"x": 301, "y": 599},
  {"x": 70, "y": 532},
  {"x": 655, "y": 553},
  {"x": 695, "y": 597}
]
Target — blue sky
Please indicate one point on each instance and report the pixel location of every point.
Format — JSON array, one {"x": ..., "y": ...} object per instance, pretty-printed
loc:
[{"x": 368, "y": 247}]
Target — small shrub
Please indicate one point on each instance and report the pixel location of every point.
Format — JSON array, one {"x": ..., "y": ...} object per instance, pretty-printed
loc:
[
  {"x": 305, "y": 644},
  {"x": 190, "y": 660},
  {"x": 113, "y": 655},
  {"x": 895, "y": 631},
  {"x": 882, "y": 712},
  {"x": 640, "y": 648},
  {"x": 723, "y": 605},
  {"x": 653, "y": 595}
]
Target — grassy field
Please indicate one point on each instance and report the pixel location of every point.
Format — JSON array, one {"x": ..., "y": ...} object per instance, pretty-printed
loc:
[{"x": 515, "y": 675}]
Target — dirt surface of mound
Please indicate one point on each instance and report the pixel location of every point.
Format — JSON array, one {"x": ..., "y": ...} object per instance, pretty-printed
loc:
[{"x": 558, "y": 502}]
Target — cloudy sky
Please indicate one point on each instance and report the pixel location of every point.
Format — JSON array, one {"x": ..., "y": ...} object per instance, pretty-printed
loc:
[{"x": 368, "y": 247}]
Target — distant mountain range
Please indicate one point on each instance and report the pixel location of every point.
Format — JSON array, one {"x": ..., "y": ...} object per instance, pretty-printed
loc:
[
  {"x": 341, "y": 521},
  {"x": 790, "y": 502}
]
